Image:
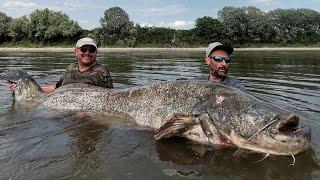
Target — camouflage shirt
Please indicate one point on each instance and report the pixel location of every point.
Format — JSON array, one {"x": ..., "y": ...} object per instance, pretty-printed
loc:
[{"x": 97, "y": 75}]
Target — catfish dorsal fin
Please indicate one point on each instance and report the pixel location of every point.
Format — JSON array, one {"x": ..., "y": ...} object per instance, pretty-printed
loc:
[{"x": 176, "y": 126}]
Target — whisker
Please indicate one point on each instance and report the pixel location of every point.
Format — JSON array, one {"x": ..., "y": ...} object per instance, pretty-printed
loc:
[
  {"x": 237, "y": 151},
  {"x": 262, "y": 129},
  {"x": 267, "y": 155},
  {"x": 294, "y": 160}
]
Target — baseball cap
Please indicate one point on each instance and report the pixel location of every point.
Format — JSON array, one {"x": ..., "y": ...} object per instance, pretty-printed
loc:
[
  {"x": 218, "y": 46},
  {"x": 86, "y": 41}
]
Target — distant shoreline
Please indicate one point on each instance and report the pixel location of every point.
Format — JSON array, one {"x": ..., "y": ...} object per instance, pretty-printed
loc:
[{"x": 55, "y": 49}]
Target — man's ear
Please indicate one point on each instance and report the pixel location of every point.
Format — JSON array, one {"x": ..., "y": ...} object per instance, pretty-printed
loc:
[{"x": 208, "y": 60}]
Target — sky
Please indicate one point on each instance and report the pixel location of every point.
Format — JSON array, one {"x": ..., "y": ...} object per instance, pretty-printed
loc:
[{"x": 177, "y": 14}]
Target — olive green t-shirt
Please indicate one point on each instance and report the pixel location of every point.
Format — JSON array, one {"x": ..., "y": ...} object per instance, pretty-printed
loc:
[{"x": 97, "y": 75}]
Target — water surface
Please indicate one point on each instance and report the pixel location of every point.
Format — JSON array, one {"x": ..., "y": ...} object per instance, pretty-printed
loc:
[{"x": 38, "y": 143}]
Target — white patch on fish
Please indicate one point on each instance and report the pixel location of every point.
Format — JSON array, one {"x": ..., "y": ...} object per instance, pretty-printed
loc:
[{"x": 219, "y": 99}]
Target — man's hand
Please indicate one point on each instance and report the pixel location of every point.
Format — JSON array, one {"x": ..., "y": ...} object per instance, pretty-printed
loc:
[
  {"x": 46, "y": 88},
  {"x": 49, "y": 88},
  {"x": 11, "y": 86},
  {"x": 80, "y": 114}
]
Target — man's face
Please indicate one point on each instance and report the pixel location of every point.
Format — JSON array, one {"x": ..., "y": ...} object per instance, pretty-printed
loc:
[
  {"x": 86, "y": 55},
  {"x": 218, "y": 69}
]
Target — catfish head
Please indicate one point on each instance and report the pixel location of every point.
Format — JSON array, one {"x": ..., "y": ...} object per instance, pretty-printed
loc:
[{"x": 250, "y": 123}]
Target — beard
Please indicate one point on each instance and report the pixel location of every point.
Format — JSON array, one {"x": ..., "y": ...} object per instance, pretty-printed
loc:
[{"x": 219, "y": 72}]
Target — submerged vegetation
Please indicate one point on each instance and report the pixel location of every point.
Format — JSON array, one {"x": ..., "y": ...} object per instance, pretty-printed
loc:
[{"x": 242, "y": 27}]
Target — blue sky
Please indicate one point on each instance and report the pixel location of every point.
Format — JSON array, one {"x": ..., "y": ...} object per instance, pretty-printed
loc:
[{"x": 178, "y": 14}]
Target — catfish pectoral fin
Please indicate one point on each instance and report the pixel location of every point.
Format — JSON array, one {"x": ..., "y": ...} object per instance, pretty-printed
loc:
[{"x": 177, "y": 125}]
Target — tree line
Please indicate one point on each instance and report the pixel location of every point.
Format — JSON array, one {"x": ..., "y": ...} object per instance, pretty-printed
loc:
[{"x": 239, "y": 26}]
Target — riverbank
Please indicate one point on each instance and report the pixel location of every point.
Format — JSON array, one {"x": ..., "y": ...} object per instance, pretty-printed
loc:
[{"x": 55, "y": 49}]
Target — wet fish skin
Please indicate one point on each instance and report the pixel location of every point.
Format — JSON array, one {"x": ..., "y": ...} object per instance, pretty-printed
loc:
[{"x": 199, "y": 111}]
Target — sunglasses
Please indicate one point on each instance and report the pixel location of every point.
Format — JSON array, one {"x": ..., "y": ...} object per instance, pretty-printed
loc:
[
  {"x": 220, "y": 59},
  {"x": 91, "y": 49}
]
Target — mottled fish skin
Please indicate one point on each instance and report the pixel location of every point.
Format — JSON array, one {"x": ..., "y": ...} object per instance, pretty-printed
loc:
[
  {"x": 215, "y": 114},
  {"x": 149, "y": 105}
]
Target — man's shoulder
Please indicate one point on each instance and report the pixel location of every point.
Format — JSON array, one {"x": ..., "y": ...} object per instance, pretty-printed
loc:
[
  {"x": 228, "y": 81},
  {"x": 231, "y": 79},
  {"x": 73, "y": 66},
  {"x": 100, "y": 68},
  {"x": 233, "y": 82},
  {"x": 202, "y": 78}
]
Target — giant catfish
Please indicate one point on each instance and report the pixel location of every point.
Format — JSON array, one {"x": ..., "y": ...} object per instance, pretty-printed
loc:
[{"x": 202, "y": 112}]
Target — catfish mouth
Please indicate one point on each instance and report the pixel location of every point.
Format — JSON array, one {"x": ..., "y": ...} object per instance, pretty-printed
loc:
[
  {"x": 289, "y": 138},
  {"x": 290, "y": 127}
]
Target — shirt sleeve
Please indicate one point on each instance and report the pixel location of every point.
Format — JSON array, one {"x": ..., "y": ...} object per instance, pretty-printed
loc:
[
  {"x": 104, "y": 79},
  {"x": 239, "y": 85},
  {"x": 107, "y": 80},
  {"x": 59, "y": 83}
]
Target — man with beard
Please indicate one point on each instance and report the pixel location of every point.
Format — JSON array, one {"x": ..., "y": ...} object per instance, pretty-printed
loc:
[
  {"x": 85, "y": 70},
  {"x": 218, "y": 59}
]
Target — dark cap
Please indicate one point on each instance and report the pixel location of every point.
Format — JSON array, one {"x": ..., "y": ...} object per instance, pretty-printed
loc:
[{"x": 218, "y": 46}]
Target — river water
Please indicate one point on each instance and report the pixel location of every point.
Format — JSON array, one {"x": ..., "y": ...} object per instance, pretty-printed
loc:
[{"x": 37, "y": 143}]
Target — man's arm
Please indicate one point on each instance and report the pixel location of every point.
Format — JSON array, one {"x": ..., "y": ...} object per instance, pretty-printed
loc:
[
  {"x": 49, "y": 88},
  {"x": 103, "y": 78}
]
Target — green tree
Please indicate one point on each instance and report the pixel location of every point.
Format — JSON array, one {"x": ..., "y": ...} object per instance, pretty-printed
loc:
[
  {"x": 116, "y": 24},
  {"x": 4, "y": 25},
  {"x": 249, "y": 24},
  {"x": 208, "y": 30},
  {"x": 186, "y": 38},
  {"x": 50, "y": 26},
  {"x": 156, "y": 36},
  {"x": 19, "y": 28},
  {"x": 296, "y": 25}
]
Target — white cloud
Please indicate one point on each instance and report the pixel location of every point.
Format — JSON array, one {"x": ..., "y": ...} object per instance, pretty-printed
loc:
[
  {"x": 179, "y": 24},
  {"x": 144, "y": 24},
  {"x": 167, "y": 10},
  {"x": 18, "y": 8},
  {"x": 19, "y": 4},
  {"x": 161, "y": 24},
  {"x": 261, "y": 1},
  {"x": 86, "y": 24}
]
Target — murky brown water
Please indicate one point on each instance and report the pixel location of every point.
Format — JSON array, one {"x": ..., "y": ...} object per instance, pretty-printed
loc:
[{"x": 37, "y": 143}]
